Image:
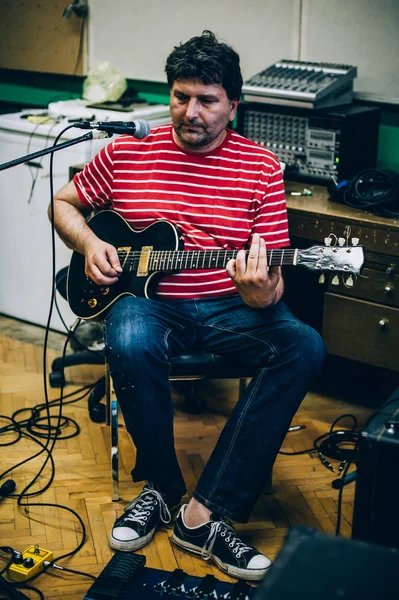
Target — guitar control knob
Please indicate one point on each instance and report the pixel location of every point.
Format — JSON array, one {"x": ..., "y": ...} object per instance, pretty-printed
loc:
[
  {"x": 92, "y": 302},
  {"x": 17, "y": 557},
  {"x": 391, "y": 270},
  {"x": 388, "y": 289},
  {"x": 383, "y": 323},
  {"x": 104, "y": 290},
  {"x": 28, "y": 562}
]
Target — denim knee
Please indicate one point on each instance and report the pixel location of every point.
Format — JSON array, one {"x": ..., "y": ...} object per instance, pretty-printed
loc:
[
  {"x": 131, "y": 334},
  {"x": 310, "y": 347}
]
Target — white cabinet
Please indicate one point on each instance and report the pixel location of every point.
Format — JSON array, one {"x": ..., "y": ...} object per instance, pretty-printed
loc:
[{"x": 25, "y": 231}]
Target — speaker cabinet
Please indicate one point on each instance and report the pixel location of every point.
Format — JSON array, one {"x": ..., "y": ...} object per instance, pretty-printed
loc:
[
  {"x": 313, "y": 565},
  {"x": 376, "y": 509}
]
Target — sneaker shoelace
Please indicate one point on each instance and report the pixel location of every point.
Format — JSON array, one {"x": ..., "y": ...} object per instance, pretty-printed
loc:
[
  {"x": 140, "y": 509},
  {"x": 229, "y": 534}
]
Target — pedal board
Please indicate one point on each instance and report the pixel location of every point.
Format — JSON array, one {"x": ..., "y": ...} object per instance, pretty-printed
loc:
[{"x": 126, "y": 578}]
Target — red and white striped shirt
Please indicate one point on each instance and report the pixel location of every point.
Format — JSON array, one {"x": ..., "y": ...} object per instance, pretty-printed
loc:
[{"x": 216, "y": 200}]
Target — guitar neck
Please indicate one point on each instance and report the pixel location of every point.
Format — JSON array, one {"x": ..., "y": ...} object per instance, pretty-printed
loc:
[{"x": 182, "y": 260}]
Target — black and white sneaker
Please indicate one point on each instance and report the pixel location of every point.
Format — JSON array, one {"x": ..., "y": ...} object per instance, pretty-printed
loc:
[
  {"x": 136, "y": 527},
  {"x": 217, "y": 540}
]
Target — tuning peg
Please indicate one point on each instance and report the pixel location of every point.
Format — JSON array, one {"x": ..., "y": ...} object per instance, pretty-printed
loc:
[
  {"x": 322, "y": 278},
  {"x": 327, "y": 241},
  {"x": 341, "y": 241},
  {"x": 335, "y": 280},
  {"x": 355, "y": 241}
]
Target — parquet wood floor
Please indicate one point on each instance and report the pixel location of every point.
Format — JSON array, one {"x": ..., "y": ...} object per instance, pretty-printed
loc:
[{"x": 302, "y": 492}]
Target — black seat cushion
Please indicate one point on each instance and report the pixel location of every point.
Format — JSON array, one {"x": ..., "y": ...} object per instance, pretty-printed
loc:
[{"x": 209, "y": 365}]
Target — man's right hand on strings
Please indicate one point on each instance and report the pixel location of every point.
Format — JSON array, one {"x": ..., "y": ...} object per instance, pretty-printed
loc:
[{"x": 101, "y": 262}]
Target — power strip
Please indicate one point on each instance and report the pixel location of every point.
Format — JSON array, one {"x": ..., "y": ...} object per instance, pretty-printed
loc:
[{"x": 29, "y": 563}]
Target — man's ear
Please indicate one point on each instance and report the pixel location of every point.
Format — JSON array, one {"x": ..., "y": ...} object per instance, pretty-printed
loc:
[{"x": 233, "y": 108}]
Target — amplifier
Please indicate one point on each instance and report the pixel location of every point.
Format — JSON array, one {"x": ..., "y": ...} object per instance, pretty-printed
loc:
[
  {"x": 318, "y": 145},
  {"x": 376, "y": 509},
  {"x": 314, "y": 565}
]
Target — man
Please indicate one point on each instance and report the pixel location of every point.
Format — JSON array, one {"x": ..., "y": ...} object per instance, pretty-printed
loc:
[{"x": 222, "y": 192}]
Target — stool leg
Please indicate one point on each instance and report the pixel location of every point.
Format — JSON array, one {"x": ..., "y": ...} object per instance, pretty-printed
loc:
[
  {"x": 112, "y": 403},
  {"x": 193, "y": 404}
]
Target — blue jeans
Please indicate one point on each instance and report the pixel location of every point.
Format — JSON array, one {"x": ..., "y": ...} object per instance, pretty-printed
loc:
[{"x": 142, "y": 336}]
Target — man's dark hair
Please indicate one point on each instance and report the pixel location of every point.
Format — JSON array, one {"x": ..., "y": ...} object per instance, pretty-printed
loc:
[{"x": 208, "y": 60}]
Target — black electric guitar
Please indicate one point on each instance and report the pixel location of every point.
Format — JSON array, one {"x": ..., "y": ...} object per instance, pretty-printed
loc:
[{"x": 147, "y": 256}]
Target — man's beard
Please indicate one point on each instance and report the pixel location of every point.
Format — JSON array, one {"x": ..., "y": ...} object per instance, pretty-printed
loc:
[{"x": 199, "y": 136}]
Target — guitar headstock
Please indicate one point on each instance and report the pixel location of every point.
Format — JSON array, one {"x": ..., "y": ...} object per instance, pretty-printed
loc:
[{"x": 345, "y": 259}]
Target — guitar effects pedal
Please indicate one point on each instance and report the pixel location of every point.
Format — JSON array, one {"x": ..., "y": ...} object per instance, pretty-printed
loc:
[{"x": 28, "y": 563}]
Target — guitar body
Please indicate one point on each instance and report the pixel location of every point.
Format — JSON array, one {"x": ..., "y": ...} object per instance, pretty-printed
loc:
[{"x": 89, "y": 300}]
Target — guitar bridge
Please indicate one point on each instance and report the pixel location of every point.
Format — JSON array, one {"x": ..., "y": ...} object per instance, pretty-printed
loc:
[{"x": 145, "y": 254}]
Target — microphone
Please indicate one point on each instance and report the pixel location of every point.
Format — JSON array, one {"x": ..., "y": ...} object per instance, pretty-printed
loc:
[
  {"x": 7, "y": 488},
  {"x": 138, "y": 129}
]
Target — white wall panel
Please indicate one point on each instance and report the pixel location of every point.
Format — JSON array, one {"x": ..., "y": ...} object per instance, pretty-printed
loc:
[
  {"x": 364, "y": 33},
  {"x": 137, "y": 36}
]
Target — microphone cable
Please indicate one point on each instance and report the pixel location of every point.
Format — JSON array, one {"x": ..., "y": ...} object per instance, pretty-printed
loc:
[
  {"x": 53, "y": 431},
  {"x": 338, "y": 444}
]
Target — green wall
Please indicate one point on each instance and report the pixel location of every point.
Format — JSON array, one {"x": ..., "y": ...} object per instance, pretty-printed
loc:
[
  {"x": 388, "y": 145},
  {"x": 38, "y": 89}
]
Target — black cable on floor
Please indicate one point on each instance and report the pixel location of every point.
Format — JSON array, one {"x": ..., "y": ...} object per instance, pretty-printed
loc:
[
  {"x": 52, "y": 431},
  {"x": 337, "y": 444}
]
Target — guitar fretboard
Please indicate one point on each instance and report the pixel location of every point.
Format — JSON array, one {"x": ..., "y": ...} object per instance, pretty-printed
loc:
[{"x": 176, "y": 260}]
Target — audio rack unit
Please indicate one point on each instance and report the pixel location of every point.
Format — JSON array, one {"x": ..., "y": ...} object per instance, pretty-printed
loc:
[
  {"x": 317, "y": 145},
  {"x": 302, "y": 84}
]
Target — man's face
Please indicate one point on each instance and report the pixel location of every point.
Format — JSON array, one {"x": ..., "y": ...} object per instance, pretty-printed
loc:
[{"x": 200, "y": 114}]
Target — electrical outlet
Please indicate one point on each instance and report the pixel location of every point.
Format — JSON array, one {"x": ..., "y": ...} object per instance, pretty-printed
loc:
[{"x": 31, "y": 563}]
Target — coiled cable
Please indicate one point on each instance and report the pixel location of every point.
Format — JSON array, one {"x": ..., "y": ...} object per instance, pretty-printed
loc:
[{"x": 374, "y": 190}]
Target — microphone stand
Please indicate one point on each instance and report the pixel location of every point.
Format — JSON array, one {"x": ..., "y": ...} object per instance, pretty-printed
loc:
[{"x": 87, "y": 136}]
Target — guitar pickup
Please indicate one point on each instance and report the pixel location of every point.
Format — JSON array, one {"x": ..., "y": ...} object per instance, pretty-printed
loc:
[{"x": 145, "y": 254}]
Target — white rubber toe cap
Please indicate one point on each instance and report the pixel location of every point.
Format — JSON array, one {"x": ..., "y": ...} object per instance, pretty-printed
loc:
[
  {"x": 259, "y": 562},
  {"x": 125, "y": 534}
]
